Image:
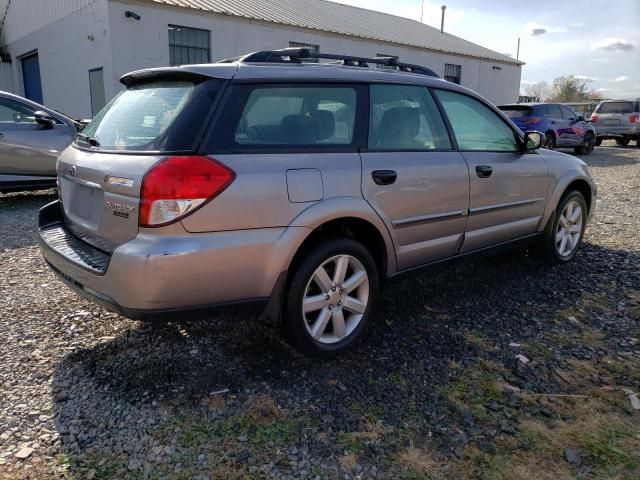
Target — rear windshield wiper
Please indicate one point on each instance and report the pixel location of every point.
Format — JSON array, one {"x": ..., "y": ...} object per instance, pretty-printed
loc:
[{"x": 87, "y": 139}]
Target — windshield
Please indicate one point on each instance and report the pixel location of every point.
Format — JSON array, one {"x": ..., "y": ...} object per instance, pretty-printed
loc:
[{"x": 162, "y": 115}]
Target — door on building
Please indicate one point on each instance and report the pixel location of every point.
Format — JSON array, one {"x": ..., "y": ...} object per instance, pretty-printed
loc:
[
  {"x": 96, "y": 87},
  {"x": 31, "y": 77}
]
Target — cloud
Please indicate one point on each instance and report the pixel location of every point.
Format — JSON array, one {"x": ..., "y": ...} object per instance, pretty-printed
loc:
[
  {"x": 604, "y": 90},
  {"x": 535, "y": 29},
  {"x": 527, "y": 82},
  {"x": 584, "y": 78},
  {"x": 613, "y": 44},
  {"x": 621, "y": 79}
]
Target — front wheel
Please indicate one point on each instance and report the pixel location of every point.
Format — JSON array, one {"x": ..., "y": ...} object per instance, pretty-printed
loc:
[
  {"x": 588, "y": 142},
  {"x": 330, "y": 298},
  {"x": 563, "y": 236}
]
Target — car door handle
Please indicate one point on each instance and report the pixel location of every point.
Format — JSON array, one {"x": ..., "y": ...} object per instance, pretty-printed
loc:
[
  {"x": 484, "y": 171},
  {"x": 384, "y": 177}
]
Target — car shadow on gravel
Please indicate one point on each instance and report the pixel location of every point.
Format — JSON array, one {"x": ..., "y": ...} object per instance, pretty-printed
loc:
[
  {"x": 19, "y": 217},
  {"x": 426, "y": 326}
]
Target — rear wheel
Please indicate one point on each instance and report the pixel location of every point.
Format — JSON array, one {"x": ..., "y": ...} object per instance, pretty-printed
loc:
[
  {"x": 588, "y": 142},
  {"x": 330, "y": 298},
  {"x": 563, "y": 236},
  {"x": 623, "y": 142}
]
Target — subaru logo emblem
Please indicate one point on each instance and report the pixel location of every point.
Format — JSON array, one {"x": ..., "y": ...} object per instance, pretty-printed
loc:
[{"x": 71, "y": 172}]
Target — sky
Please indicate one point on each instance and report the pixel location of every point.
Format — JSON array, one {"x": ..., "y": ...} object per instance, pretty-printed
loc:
[{"x": 595, "y": 40}]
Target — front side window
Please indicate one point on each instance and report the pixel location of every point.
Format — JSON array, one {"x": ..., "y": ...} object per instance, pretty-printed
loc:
[
  {"x": 567, "y": 113},
  {"x": 297, "y": 115},
  {"x": 476, "y": 126},
  {"x": 188, "y": 45},
  {"x": 405, "y": 117},
  {"x": 12, "y": 111},
  {"x": 161, "y": 115}
]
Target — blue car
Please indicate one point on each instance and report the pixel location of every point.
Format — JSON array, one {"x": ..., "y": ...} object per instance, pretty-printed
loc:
[{"x": 562, "y": 127}]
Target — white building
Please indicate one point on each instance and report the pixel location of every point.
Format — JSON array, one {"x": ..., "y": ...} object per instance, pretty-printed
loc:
[{"x": 70, "y": 54}]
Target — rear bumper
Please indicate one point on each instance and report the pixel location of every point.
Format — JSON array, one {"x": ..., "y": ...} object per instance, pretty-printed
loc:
[
  {"x": 617, "y": 132},
  {"x": 157, "y": 274}
]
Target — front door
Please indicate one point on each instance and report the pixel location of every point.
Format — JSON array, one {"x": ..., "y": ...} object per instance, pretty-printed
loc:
[
  {"x": 508, "y": 187},
  {"x": 31, "y": 78},
  {"x": 25, "y": 147},
  {"x": 412, "y": 176},
  {"x": 575, "y": 129}
]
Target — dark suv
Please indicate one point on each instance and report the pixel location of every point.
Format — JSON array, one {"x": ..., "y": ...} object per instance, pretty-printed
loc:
[
  {"x": 300, "y": 185},
  {"x": 561, "y": 125}
]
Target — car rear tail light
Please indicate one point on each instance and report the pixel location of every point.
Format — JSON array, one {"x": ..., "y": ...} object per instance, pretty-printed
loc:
[
  {"x": 532, "y": 120},
  {"x": 634, "y": 118},
  {"x": 177, "y": 186},
  {"x": 594, "y": 117}
]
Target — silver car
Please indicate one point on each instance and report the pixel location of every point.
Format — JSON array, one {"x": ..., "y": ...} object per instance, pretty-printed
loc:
[
  {"x": 303, "y": 186},
  {"x": 618, "y": 120},
  {"x": 31, "y": 138}
]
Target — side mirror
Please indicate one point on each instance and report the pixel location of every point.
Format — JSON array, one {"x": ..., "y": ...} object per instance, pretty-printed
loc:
[
  {"x": 533, "y": 140},
  {"x": 44, "y": 119},
  {"x": 581, "y": 118}
]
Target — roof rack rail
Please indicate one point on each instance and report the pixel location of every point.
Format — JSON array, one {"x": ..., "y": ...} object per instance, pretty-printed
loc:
[{"x": 296, "y": 55}]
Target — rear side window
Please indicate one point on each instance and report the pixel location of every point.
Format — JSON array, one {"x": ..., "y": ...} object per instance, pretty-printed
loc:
[
  {"x": 163, "y": 115},
  {"x": 295, "y": 115},
  {"x": 616, "y": 107},
  {"x": 517, "y": 112},
  {"x": 553, "y": 111},
  {"x": 404, "y": 117},
  {"x": 475, "y": 125}
]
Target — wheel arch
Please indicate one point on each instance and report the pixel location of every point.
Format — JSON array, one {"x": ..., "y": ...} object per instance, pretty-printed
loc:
[{"x": 568, "y": 184}]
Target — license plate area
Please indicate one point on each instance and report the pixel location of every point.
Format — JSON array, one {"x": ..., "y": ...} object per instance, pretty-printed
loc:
[
  {"x": 82, "y": 202},
  {"x": 612, "y": 121}
]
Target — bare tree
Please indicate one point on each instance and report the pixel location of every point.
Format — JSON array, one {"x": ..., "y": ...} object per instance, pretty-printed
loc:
[{"x": 540, "y": 90}]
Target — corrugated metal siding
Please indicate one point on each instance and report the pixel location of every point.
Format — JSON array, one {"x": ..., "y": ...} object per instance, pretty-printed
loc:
[
  {"x": 27, "y": 16},
  {"x": 345, "y": 20}
]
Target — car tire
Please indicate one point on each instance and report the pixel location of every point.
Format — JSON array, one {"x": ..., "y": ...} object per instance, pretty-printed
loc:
[
  {"x": 598, "y": 141},
  {"x": 564, "y": 233},
  {"x": 588, "y": 143},
  {"x": 622, "y": 142},
  {"x": 550, "y": 141},
  {"x": 339, "y": 303}
]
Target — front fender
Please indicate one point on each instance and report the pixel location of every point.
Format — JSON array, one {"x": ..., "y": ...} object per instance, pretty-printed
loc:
[{"x": 560, "y": 188}]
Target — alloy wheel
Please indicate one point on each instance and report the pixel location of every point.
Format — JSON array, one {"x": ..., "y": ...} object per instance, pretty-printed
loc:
[
  {"x": 335, "y": 299},
  {"x": 569, "y": 229}
]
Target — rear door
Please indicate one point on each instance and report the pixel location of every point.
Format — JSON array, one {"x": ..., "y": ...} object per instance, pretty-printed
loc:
[
  {"x": 26, "y": 148},
  {"x": 575, "y": 130},
  {"x": 559, "y": 125},
  {"x": 412, "y": 176},
  {"x": 508, "y": 188}
]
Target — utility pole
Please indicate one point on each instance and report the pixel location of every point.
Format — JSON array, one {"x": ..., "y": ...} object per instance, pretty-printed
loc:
[
  {"x": 422, "y": 13},
  {"x": 518, "y": 52},
  {"x": 444, "y": 7}
]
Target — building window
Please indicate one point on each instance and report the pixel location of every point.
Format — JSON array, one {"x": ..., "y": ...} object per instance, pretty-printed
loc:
[
  {"x": 452, "y": 73},
  {"x": 312, "y": 48},
  {"x": 188, "y": 45},
  {"x": 385, "y": 66},
  {"x": 96, "y": 90}
]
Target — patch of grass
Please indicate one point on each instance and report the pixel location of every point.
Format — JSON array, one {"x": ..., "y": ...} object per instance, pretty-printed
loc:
[
  {"x": 603, "y": 446},
  {"x": 536, "y": 351},
  {"x": 480, "y": 341},
  {"x": 493, "y": 468},
  {"x": 196, "y": 431},
  {"x": 479, "y": 386},
  {"x": 282, "y": 432},
  {"x": 418, "y": 464},
  {"x": 349, "y": 442}
]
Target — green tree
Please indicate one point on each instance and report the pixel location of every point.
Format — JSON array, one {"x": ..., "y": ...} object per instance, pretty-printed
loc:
[{"x": 569, "y": 89}]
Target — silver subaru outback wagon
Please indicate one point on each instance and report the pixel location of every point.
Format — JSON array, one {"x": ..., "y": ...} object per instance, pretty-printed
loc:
[{"x": 300, "y": 185}]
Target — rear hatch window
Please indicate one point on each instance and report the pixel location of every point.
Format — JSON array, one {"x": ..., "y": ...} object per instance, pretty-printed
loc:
[
  {"x": 154, "y": 116},
  {"x": 616, "y": 107},
  {"x": 514, "y": 111}
]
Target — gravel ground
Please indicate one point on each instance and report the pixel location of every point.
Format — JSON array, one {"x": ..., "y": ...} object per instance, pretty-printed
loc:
[{"x": 85, "y": 393}]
